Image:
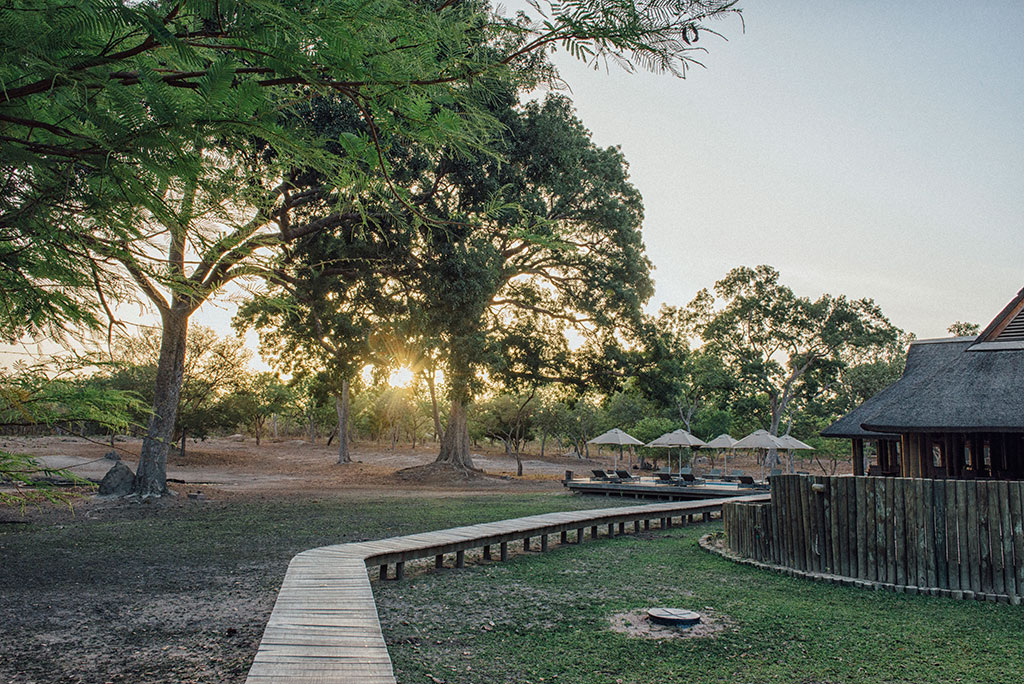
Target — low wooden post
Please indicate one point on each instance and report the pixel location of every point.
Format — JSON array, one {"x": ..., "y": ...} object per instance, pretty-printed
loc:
[
  {"x": 579, "y": 535},
  {"x": 564, "y": 538},
  {"x": 399, "y": 570},
  {"x": 439, "y": 561},
  {"x": 707, "y": 516},
  {"x": 593, "y": 532},
  {"x": 487, "y": 552},
  {"x": 622, "y": 528},
  {"x": 543, "y": 542},
  {"x": 611, "y": 529},
  {"x": 384, "y": 572},
  {"x": 647, "y": 524},
  {"x": 503, "y": 551},
  {"x": 526, "y": 543},
  {"x": 460, "y": 559}
]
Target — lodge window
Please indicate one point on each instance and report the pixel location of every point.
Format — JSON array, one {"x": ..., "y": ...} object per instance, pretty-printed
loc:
[{"x": 936, "y": 455}]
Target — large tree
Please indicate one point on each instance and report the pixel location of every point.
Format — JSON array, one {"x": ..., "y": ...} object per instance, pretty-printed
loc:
[
  {"x": 780, "y": 344},
  {"x": 547, "y": 239}
]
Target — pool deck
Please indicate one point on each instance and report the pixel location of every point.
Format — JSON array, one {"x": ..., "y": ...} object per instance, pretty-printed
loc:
[{"x": 649, "y": 488}]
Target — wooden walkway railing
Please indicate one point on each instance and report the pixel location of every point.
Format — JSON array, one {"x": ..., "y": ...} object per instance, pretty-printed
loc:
[{"x": 324, "y": 626}]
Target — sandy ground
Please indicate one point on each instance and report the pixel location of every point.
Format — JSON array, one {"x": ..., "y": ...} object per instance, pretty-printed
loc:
[{"x": 236, "y": 466}]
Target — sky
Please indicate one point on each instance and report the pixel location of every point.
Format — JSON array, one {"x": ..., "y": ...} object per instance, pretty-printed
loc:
[
  {"x": 872, "y": 149},
  {"x": 867, "y": 148}
]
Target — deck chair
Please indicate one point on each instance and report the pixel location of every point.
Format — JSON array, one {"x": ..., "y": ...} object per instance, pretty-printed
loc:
[
  {"x": 686, "y": 471},
  {"x": 715, "y": 473},
  {"x": 625, "y": 476},
  {"x": 746, "y": 481},
  {"x": 687, "y": 478},
  {"x": 665, "y": 478}
]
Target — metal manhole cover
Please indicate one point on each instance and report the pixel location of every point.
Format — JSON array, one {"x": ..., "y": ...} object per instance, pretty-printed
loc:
[{"x": 673, "y": 616}]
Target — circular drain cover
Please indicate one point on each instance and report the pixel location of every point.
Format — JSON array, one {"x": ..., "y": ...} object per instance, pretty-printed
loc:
[{"x": 673, "y": 616}]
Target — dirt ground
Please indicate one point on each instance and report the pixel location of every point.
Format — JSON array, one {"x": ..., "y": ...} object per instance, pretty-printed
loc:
[{"x": 228, "y": 467}]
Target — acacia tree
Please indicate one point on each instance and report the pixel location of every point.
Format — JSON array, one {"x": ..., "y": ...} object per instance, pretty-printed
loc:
[{"x": 779, "y": 344}]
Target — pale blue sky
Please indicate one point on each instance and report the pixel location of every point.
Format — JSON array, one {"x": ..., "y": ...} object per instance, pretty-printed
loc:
[{"x": 862, "y": 148}]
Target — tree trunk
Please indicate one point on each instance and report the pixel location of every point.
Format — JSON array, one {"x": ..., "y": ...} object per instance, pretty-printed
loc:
[
  {"x": 455, "y": 440},
  {"x": 341, "y": 407},
  {"x": 151, "y": 475},
  {"x": 183, "y": 437},
  {"x": 543, "y": 438},
  {"x": 433, "y": 405}
]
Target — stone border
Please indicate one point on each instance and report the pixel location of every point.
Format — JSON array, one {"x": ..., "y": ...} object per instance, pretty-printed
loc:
[{"x": 709, "y": 543}]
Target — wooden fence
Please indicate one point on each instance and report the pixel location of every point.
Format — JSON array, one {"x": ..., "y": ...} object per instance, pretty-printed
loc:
[{"x": 950, "y": 537}]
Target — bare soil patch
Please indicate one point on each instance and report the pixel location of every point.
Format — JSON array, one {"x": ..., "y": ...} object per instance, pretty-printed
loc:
[{"x": 635, "y": 623}]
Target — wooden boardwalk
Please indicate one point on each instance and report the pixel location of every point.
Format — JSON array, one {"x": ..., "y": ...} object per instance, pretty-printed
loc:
[{"x": 324, "y": 626}]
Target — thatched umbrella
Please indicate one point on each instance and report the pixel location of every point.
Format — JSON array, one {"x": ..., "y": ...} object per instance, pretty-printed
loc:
[
  {"x": 676, "y": 438},
  {"x": 722, "y": 441},
  {"x": 791, "y": 444},
  {"x": 759, "y": 439},
  {"x": 615, "y": 436}
]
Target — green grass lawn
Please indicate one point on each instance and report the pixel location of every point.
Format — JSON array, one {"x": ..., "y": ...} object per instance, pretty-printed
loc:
[
  {"x": 182, "y": 593},
  {"x": 550, "y": 615}
]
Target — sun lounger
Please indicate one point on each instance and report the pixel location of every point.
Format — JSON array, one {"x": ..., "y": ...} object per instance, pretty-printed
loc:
[
  {"x": 625, "y": 476},
  {"x": 715, "y": 474},
  {"x": 665, "y": 478},
  {"x": 746, "y": 481}
]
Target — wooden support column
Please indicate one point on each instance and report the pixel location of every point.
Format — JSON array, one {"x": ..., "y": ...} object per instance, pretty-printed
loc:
[
  {"x": 526, "y": 543},
  {"x": 439, "y": 561},
  {"x": 564, "y": 538},
  {"x": 579, "y": 535},
  {"x": 460, "y": 559},
  {"x": 858, "y": 456},
  {"x": 593, "y": 532},
  {"x": 647, "y": 524},
  {"x": 399, "y": 570},
  {"x": 384, "y": 572},
  {"x": 503, "y": 550},
  {"x": 622, "y": 528},
  {"x": 543, "y": 542},
  {"x": 611, "y": 529},
  {"x": 487, "y": 552}
]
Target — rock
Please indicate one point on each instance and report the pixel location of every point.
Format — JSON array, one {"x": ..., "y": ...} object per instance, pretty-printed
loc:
[
  {"x": 117, "y": 481},
  {"x": 237, "y": 438},
  {"x": 112, "y": 456}
]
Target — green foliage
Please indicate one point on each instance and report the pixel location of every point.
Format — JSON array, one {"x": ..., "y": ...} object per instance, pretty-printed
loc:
[
  {"x": 781, "y": 345},
  {"x": 963, "y": 329},
  {"x": 108, "y": 104},
  {"x": 260, "y": 397},
  {"x": 53, "y": 394}
]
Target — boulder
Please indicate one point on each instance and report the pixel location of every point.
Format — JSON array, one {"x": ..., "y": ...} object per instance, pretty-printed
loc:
[
  {"x": 117, "y": 481},
  {"x": 112, "y": 456}
]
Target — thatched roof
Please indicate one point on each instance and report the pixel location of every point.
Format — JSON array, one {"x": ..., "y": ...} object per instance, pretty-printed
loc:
[
  {"x": 849, "y": 425},
  {"x": 953, "y": 385},
  {"x": 958, "y": 384}
]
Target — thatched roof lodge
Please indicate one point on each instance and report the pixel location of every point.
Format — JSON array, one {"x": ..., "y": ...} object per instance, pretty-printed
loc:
[{"x": 957, "y": 411}]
